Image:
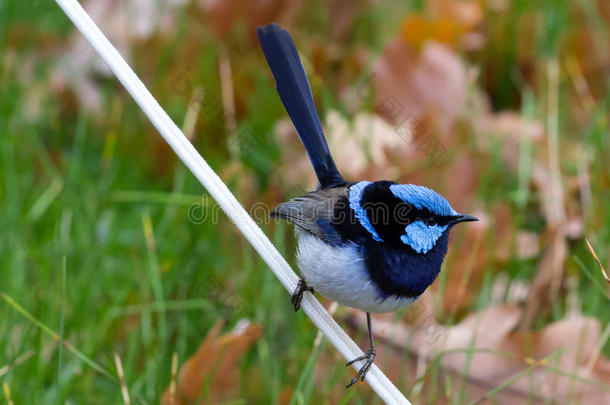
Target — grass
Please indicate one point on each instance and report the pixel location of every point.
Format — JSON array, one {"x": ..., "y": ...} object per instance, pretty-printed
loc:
[{"x": 97, "y": 253}]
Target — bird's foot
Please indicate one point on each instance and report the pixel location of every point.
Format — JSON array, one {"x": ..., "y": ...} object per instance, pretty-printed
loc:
[
  {"x": 369, "y": 356},
  {"x": 297, "y": 296}
]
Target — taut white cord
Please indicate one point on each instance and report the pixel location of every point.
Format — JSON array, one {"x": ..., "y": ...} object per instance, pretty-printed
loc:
[{"x": 225, "y": 199}]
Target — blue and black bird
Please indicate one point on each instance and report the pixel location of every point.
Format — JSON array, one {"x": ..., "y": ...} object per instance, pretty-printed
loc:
[{"x": 375, "y": 246}]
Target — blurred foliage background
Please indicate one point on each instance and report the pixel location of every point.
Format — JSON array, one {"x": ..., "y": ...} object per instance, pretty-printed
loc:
[{"x": 111, "y": 252}]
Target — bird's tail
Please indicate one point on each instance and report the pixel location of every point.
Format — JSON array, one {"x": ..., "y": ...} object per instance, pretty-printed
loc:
[{"x": 292, "y": 85}]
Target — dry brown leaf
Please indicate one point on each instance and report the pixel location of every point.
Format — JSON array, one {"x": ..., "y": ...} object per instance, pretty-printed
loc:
[
  {"x": 467, "y": 13},
  {"x": 512, "y": 128},
  {"x": 499, "y": 354},
  {"x": 446, "y": 21},
  {"x": 343, "y": 14},
  {"x": 417, "y": 30},
  {"x": 542, "y": 179},
  {"x": 414, "y": 84},
  {"x": 579, "y": 43},
  {"x": 545, "y": 287},
  {"x": 465, "y": 265},
  {"x": 215, "y": 359},
  {"x": 296, "y": 169},
  {"x": 220, "y": 15},
  {"x": 462, "y": 187},
  {"x": 528, "y": 244},
  {"x": 362, "y": 145},
  {"x": 574, "y": 227},
  {"x": 504, "y": 232},
  {"x": 507, "y": 291},
  {"x": 77, "y": 69}
]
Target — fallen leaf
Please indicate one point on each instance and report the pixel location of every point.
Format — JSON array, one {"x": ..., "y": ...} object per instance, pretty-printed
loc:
[
  {"x": 466, "y": 13},
  {"x": 362, "y": 146},
  {"x": 416, "y": 30},
  {"x": 214, "y": 365},
  {"x": 296, "y": 169},
  {"x": 220, "y": 16},
  {"x": 505, "y": 290},
  {"x": 484, "y": 351},
  {"x": 549, "y": 206},
  {"x": 545, "y": 286},
  {"x": 408, "y": 85},
  {"x": 445, "y": 21},
  {"x": 512, "y": 128},
  {"x": 461, "y": 189},
  {"x": 78, "y": 68},
  {"x": 528, "y": 244},
  {"x": 465, "y": 265}
]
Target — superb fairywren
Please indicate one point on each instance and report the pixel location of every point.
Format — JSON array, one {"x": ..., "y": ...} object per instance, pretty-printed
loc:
[{"x": 375, "y": 246}]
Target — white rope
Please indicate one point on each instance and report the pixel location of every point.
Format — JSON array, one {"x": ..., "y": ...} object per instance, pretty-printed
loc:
[{"x": 225, "y": 199}]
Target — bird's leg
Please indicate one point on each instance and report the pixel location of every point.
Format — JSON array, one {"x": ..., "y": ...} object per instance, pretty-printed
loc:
[
  {"x": 369, "y": 356},
  {"x": 297, "y": 296}
]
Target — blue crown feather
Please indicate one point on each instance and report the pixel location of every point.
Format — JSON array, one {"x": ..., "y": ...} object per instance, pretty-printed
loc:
[
  {"x": 423, "y": 198},
  {"x": 419, "y": 236}
]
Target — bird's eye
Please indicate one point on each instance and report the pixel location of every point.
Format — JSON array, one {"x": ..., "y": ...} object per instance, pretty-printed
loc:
[{"x": 429, "y": 221}]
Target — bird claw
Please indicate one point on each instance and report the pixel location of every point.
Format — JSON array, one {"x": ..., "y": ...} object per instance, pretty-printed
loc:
[
  {"x": 369, "y": 356},
  {"x": 297, "y": 296}
]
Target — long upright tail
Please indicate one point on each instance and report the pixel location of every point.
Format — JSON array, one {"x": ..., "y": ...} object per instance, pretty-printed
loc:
[{"x": 292, "y": 85}]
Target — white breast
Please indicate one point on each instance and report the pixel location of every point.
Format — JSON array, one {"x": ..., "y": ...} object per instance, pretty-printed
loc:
[{"x": 338, "y": 273}]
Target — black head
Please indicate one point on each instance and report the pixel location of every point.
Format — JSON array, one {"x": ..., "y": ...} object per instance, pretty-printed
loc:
[{"x": 403, "y": 214}]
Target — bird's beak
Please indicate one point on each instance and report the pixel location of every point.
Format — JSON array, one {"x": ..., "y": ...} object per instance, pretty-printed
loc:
[{"x": 463, "y": 218}]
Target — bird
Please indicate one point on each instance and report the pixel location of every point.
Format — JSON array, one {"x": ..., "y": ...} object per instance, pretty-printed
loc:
[{"x": 371, "y": 245}]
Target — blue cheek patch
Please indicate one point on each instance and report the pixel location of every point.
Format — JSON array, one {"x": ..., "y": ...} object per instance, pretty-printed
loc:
[
  {"x": 423, "y": 198},
  {"x": 355, "y": 195},
  {"x": 422, "y": 237}
]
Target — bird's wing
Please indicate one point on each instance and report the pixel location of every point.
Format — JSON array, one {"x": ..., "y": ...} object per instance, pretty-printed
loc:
[
  {"x": 314, "y": 212},
  {"x": 293, "y": 87}
]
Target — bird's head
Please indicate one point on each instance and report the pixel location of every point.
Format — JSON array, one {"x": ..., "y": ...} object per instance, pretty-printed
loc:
[{"x": 403, "y": 214}]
